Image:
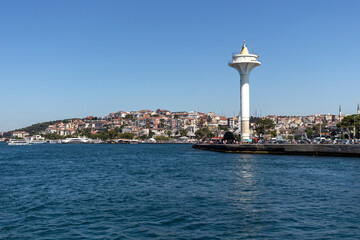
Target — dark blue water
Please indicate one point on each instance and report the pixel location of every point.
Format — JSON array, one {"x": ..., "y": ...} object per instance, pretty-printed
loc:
[{"x": 174, "y": 192}]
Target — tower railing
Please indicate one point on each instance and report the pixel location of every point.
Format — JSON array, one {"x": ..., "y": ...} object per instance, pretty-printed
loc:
[{"x": 257, "y": 60}]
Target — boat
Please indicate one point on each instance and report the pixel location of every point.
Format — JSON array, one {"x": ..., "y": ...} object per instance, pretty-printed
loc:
[
  {"x": 95, "y": 141},
  {"x": 37, "y": 141},
  {"x": 13, "y": 142},
  {"x": 76, "y": 140}
]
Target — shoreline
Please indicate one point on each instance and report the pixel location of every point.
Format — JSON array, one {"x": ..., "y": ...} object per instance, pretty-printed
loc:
[{"x": 339, "y": 150}]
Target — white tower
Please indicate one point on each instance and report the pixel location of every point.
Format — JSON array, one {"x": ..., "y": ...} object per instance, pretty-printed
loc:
[{"x": 244, "y": 63}]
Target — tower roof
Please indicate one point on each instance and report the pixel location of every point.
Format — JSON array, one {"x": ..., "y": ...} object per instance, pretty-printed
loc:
[{"x": 244, "y": 49}]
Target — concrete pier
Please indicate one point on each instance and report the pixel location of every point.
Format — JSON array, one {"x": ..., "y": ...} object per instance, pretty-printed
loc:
[{"x": 343, "y": 150}]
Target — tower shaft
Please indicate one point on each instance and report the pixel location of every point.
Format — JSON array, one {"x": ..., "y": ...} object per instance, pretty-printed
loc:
[{"x": 245, "y": 106}]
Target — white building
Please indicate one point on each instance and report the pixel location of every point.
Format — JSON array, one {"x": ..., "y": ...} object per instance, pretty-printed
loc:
[{"x": 19, "y": 134}]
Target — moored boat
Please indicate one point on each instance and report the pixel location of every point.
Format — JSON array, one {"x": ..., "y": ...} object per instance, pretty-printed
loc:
[
  {"x": 13, "y": 142},
  {"x": 37, "y": 139},
  {"x": 37, "y": 142},
  {"x": 76, "y": 140}
]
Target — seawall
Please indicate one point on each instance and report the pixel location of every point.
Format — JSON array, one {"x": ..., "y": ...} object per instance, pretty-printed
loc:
[{"x": 344, "y": 150}]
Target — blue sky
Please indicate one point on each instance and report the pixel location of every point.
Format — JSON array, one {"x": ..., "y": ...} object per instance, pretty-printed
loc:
[{"x": 64, "y": 59}]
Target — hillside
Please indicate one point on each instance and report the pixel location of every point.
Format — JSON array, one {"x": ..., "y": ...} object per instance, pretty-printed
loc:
[{"x": 38, "y": 127}]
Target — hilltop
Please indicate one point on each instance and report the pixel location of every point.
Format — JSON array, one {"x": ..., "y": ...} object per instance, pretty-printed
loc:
[{"x": 39, "y": 127}]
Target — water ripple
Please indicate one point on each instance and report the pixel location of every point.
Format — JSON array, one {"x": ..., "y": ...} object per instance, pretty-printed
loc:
[{"x": 174, "y": 192}]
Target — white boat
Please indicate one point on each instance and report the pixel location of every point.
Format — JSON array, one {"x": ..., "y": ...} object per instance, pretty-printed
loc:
[
  {"x": 96, "y": 141},
  {"x": 17, "y": 142},
  {"x": 37, "y": 141},
  {"x": 76, "y": 140},
  {"x": 54, "y": 141}
]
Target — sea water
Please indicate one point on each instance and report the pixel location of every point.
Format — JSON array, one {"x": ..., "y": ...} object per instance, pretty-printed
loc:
[{"x": 171, "y": 191}]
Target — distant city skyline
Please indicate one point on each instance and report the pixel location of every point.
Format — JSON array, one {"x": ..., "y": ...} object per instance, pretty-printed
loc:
[{"x": 71, "y": 59}]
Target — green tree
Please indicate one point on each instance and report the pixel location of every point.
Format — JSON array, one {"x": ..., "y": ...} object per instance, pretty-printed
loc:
[
  {"x": 117, "y": 129},
  {"x": 223, "y": 127},
  {"x": 204, "y": 133},
  {"x": 348, "y": 124},
  {"x": 38, "y": 127},
  {"x": 142, "y": 137},
  {"x": 263, "y": 126},
  {"x": 112, "y": 133},
  {"x": 53, "y": 136},
  {"x": 101, "y": 135},
  {"x": 229, "y": 137},
  {"x": 151, "y": 134},
  {"x": 127, "y": 135},
  {"x": 310, "y": 132},
  {"x": 273, "y": 133},
  {"x": 84, "y": 132},
  {"x": 294, "y": 131},
  {"x": 183, "y": 132},
  {"x": 161, "y": 138}
]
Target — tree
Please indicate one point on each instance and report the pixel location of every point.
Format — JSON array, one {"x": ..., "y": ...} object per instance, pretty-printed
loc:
[
  {"x": 229, "y": 137},
  {"x": 102, "y": 135},
  {"x": 126, "y": 135},
  {"x": 204, "y": 133},
  {"x": 310, "y": 132},
  {"x": 161, "y": 138},
  {"x": 117, "y": 129},
  {"x": 349, "y": 124},
  {"x": 294, "y": 131},
  {"x": 112, "y": 133},
  {"x": 151, "y": 134},
  {"x": 39, "y": 127},
  {"x": 53, "y": 136},
  {"x": 263, "y": 126},
  {"x": 223, "y": 127},
  {"x": 273, "y": 133},
  {"x": 183, "y": 132},
  {"x": 84, "y": 132}
]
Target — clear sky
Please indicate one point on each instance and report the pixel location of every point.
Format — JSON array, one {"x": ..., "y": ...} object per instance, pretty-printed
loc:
[{"x": 64, "y": 59}]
